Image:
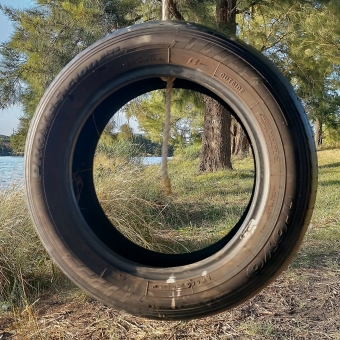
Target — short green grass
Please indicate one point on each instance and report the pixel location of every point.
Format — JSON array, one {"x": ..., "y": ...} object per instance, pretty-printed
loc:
[
  {"x": 322, "y": 241},
  {"x": 259, "y": 330}
]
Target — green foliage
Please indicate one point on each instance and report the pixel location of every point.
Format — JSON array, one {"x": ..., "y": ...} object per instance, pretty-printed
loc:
[
  {"x": 187, "y": 111},
  {"x": 5, "y": 148},
  {"x": 150, "y": 148},
  {"x": 118, "y": 149},
  {"x": 127, "y": 145},
  {"x": 46, "y": 37},
  {"x": 332, "y": 137},
  {"x": 199, "y": 11},
  {"x": 190, "y": 152},
  {"x": 303, "y": 40},
  {"x": 126, "y": 132},
  {"x": 19, "y": 136},
  {"x": 301, "y": 37}
]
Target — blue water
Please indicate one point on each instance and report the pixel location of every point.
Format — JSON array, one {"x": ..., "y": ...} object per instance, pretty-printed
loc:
[
  {"x": 152, "y": 160},
  {"x": 12, "y": 169}
]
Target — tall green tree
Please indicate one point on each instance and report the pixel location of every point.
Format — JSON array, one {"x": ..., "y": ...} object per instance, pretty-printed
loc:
[
  {"x": 303, "y": 40},
  {"x": 294, "y": 34},
  {"x": 216, "y": 140},
  {"x": 46, "y": 37},
  {"x": 316, "y": 76},
  {"x": 300, "y": 36}
]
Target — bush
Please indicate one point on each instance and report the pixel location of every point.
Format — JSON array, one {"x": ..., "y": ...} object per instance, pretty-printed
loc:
[
  {"x": 189, "y": 152},
  {"x": 119, "y": 149}
]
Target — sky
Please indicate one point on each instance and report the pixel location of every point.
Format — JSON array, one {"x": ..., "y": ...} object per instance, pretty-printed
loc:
[{"x": 9, "y": 117}]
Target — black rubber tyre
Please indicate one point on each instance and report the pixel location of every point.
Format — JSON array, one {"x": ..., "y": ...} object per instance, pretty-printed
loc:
[{"x": 59, "y": 157}]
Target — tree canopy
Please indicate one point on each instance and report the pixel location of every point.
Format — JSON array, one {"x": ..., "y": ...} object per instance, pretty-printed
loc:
[
  {"x": 46, "y": 37},
  {"x": 302, "y": 37},
  {"x": 186, "y": 115}
]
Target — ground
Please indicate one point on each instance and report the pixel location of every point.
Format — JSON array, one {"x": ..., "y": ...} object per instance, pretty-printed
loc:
[{"x": 302, "y": 303}]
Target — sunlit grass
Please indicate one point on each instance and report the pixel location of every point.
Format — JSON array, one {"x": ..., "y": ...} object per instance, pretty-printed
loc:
[
  {"x": 201, "y": 209},
  {"x": 25, "y": 267},
  {"x": 321, "y": 244}
]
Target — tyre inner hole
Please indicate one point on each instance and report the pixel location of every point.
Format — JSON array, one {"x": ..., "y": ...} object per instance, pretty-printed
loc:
[{"x": 209, "y": 194}]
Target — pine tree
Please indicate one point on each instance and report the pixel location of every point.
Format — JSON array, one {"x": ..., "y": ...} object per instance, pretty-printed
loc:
[
  {"x": 216, "y": 139},
  {"x": 303, "y": 40},
  {"x": 46, "y": 37}
]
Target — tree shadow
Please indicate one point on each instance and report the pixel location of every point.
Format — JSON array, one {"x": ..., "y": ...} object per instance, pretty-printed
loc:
[
  {"x": 315, "y": 258},
  {"x": 329, "y": 166},
  {"x": 186, "y": 226},
  {"x": 329, "y": 183}
]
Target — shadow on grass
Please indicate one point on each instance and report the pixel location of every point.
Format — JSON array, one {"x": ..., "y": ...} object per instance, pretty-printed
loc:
[
  {"x": 201, "y": 215},
  {"x": 329, "y": 166},
  {"x": 329, "y": 183},
  {"x": 320, "y": 248},
  {"x": 187, "y": 226},
  {"x": 316, "y": 258}
]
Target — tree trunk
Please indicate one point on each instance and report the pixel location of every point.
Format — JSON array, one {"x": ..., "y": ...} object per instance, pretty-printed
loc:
[
  {"x": 226, "y": 16},
  {"x": 240, "y": 140},
  {"x": 216, "y": 139},
  {"x": 233, "y": 134},
  {"x": 216, "y": 148},
  {"x": 318, "y": 132}
]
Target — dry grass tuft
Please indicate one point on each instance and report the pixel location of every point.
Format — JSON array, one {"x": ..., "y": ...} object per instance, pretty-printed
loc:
[{"x": 25, "y": 267}]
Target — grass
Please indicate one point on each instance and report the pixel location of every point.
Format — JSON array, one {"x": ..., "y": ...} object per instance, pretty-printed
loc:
[
  {"x": 303, "y": 303},
  {"x": 201, "y": 209},
  {"x": 26, "y": 271},
  {"x": 24, "y": 265},
  {"x": 322, "y": 241}
]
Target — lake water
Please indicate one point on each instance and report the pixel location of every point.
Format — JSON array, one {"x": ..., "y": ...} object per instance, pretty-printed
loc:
[
  {"x": 12, "y": 169},
  {"x": 152, "y": 160}
]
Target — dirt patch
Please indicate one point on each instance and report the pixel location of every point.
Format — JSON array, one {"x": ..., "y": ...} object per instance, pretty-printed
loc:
[{"x": 301, "y": 304}]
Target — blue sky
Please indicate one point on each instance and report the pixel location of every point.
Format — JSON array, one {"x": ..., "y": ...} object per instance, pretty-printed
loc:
[{"x": 9, "y": 117}]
